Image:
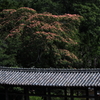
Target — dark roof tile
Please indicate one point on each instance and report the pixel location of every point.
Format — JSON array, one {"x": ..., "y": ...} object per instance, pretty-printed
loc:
[{"x": 50, "y": 77}]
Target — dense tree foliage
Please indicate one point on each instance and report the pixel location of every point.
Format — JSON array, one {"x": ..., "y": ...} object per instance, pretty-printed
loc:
[
  {"x": 29, "y": 38},
  {"x": 40, "y": 39},
  {"x": 89, "y": 32},
  {"x": 88, "y": 49}
]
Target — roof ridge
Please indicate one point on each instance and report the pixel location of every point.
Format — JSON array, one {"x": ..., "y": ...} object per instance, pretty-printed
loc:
[{"x": 50, "y": 69}]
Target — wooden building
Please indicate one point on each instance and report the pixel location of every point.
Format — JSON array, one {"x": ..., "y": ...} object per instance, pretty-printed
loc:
[{"x": 49, "y": 84}]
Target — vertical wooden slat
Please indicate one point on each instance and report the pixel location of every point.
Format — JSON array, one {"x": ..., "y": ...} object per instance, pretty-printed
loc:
[
  {"x": 95, "y": 93},
  {"x": 26, "y": 93},
  {"x": 6, "y": 93},
  {"x": 65, "y": 93},
  {"x": 71, "y": 93},
  {"x": 87, "y": 93},
  {"x": 49, "y": 95},
  {"x": 45, "y": 90}
]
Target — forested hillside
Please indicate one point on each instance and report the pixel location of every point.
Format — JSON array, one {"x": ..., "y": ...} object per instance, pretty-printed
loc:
[{"x": 84, "y": 52}]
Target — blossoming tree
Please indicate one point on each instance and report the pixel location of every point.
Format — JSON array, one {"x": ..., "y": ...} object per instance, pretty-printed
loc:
[{"x": 40, "y": 39}]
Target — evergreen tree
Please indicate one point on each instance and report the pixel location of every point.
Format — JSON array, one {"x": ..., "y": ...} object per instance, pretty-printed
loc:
[
  {"x": 89, "y": 33},
  {"x": 5, "y": 59}
]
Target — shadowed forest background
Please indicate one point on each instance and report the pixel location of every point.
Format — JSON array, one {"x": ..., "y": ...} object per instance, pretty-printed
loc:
[{"x": 50, "y": 33}]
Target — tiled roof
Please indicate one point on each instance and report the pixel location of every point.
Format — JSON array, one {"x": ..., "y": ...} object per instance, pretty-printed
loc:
[{"x": 50, "y": 77}]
